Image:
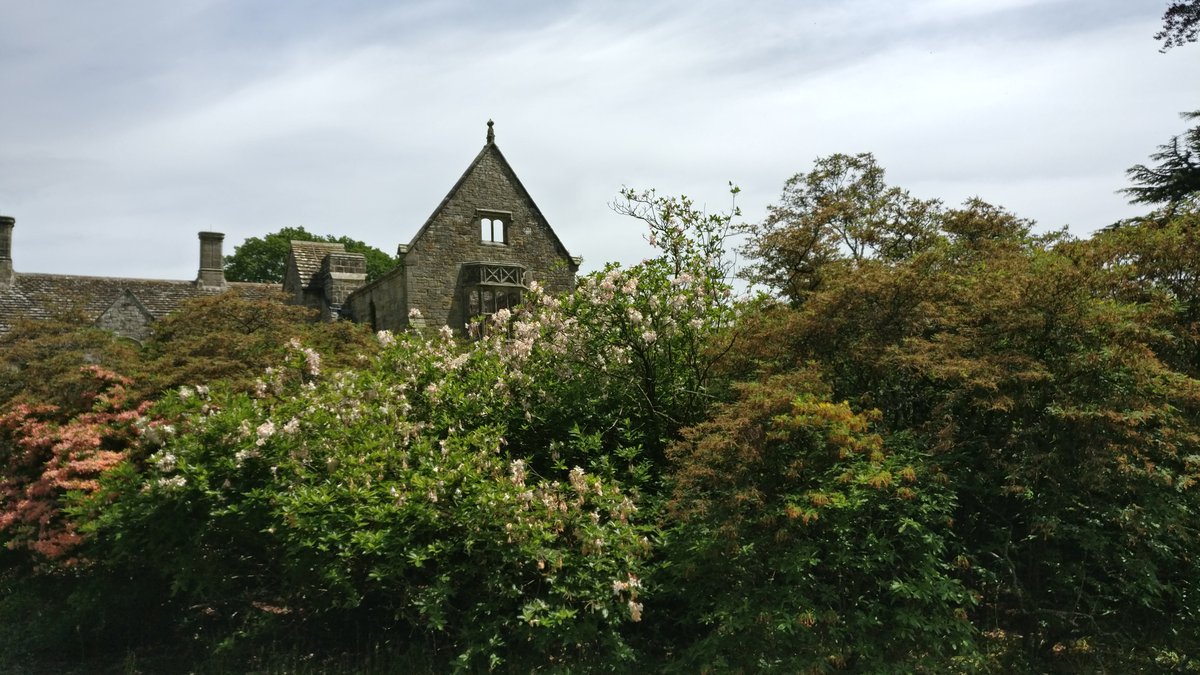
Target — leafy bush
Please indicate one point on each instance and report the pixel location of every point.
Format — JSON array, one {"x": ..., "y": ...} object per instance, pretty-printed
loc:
[
  {"x": 46, "y": 362},
  {"x": 1051, "y": 382},
  {"x": 385, "y": 494},
  {"x": 805, "y": 543},
  {"x": 47, "y": 460}
]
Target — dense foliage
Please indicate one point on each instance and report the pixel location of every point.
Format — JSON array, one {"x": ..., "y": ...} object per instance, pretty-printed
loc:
[
  {"x": 801, "y": 532},
  {"x": 1176, "y": 177},
  {"x": 941, "y": 443}
]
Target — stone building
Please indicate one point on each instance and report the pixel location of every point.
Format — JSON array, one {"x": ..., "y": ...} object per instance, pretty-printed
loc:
[
  {"x": 321, "y": 275},
  {"x": 475, "y": 254}
]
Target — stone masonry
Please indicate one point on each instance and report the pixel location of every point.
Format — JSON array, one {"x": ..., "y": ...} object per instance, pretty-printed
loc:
[{"x": 476, "y": 253}]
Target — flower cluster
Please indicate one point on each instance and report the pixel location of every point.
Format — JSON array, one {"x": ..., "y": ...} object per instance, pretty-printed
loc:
[
  {"x": 56, "y": 458},
  {"x": 630, "y": 586}
]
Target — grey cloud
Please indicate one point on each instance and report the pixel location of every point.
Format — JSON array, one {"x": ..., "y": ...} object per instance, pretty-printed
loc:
[{"x": 140, "y": 123}]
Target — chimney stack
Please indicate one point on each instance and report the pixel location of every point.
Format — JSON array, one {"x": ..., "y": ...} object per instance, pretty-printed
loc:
[
  {"x": 6, "y": 268},
  {"x": 212, "y": 262}
]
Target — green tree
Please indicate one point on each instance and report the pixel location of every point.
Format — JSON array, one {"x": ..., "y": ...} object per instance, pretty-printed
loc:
[
  {"x": 803, "y": 542},
  {"x": 1176, "y": 177},
  {"x": 232, "y": 338},
  {"x": 841, "y": 212},
  {"x": 222, "y": 337},
  {"x": 1029, "y": 368},
  {"x": 265, "y": 259},
  {"x": 1181, "y": 24},
  {"x": 1154, "y": 261}
]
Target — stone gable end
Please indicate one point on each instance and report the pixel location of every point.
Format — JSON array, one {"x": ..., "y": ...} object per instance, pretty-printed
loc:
[
  {"x": 127, "y": 317},
  {"x": 489, "y": 237}
]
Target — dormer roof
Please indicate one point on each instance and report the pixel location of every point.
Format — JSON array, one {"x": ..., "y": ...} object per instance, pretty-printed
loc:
[{"x": 307, "y": 257}]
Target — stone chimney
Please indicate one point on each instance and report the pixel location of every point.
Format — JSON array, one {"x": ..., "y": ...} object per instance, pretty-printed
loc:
[
  {"x": 341, "y": 273},
  {"x": 6, "y": 268},
  {"x": 212, "y": 262}
]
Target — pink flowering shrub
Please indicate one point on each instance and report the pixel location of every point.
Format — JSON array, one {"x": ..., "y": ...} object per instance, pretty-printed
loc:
[{"x": 48, "y": 459}]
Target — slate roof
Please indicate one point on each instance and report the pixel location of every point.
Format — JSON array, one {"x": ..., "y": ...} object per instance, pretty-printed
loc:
[
  {"x": 308, "y": 256},
  {"x": 43, "y": 296}
]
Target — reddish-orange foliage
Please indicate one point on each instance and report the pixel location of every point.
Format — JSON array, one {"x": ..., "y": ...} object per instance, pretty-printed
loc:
[{"x": 46, "y": 457}]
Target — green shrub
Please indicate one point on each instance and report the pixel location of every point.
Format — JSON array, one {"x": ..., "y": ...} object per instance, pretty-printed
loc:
[
  {"x": 803, "y": 542},
  {"x": 384, "y": 495}
]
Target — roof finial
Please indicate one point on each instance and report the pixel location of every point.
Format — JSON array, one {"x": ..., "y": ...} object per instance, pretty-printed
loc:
[{"x": 491, "y": 137}]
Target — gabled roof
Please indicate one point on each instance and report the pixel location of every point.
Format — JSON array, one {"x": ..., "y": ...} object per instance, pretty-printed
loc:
[
  {"x": 308, "y": 255},
  {"x": 494, "y": 150},
  {"x": 45, "y": 296},
  {"x": 126, "y": 299}
]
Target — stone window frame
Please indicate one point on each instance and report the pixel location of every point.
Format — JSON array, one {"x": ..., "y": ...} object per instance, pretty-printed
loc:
[
  {"x": 487, "y": 219},
  {"x": 485, "y": 300},
  {"x": 491, "y": 286}
]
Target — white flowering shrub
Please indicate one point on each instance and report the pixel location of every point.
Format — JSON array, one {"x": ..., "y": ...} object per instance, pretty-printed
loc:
[
  {"x": 388, "y": 494},
  {"x": 488, "y": 501},
  {"x": 631, "y": 356}
]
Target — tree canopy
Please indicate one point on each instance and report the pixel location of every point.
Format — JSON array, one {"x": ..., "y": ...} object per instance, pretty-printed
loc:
[
  {"x": 1176, "y": 177},
  {"x": 1181, "y": 24},
  {"x": 264, "y": 259}
]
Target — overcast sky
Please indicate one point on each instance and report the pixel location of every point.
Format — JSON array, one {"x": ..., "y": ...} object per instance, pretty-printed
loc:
[{"x": 127, "y": 126}]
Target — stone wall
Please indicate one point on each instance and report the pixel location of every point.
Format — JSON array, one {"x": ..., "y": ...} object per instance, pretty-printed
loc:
[{"x": 382, "y": 304}]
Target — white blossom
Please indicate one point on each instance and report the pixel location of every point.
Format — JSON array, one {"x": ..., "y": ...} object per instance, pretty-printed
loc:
[
  {"x": 166, "y": 462},
  {"x": 516, "y": 472},
  {"x": 635, "y": 611},
  {"x": 265, "y": 431},
  {"x": 172, "y": 483}
]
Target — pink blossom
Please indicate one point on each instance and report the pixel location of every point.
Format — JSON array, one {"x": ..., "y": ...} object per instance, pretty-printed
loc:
[{"x": 313, "y": 361}]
